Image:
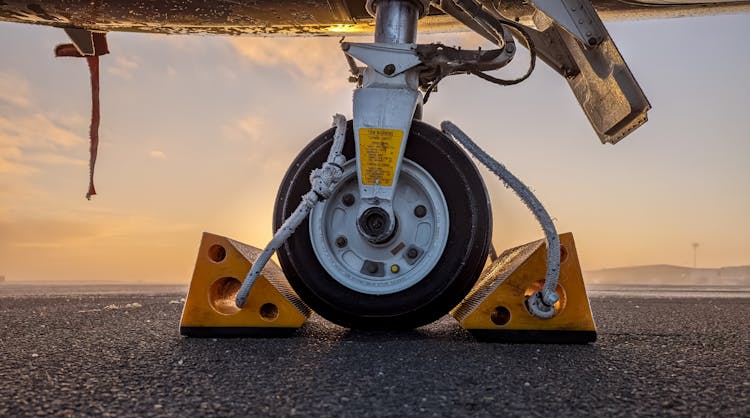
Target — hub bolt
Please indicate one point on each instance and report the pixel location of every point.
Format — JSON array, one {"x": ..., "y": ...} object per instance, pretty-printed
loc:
[
  {"x": 341, "y": 241},
  {"x": 412, "y": 253},
  {"x": 420, "y": 211},
  {"x": 395, "y": 268},
  {"x": 348, "y": 199},
  {"x": 389, "y": 69}
]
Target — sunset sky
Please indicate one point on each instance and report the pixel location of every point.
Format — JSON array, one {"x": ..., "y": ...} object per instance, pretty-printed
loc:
[{"x": 197, "y": 132}]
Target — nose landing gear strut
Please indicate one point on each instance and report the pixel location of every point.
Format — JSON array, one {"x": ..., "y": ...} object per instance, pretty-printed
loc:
[{"x": 397, "y": 270}]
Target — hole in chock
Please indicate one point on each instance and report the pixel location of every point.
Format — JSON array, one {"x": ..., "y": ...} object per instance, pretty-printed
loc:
[
  {"x": 222, "y": 295},
  {"x": 539, "y": 284},
  {"x": 500, "y": 316},
  {"x": 563, "y": 254},
  {"x": 269, "y": 311},
  {"x": 217, "y": 253}
]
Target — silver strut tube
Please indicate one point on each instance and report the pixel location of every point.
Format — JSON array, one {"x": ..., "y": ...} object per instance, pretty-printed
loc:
[{"x": 396, "y": 21}]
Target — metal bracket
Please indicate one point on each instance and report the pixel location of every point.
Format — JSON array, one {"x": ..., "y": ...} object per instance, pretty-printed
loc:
[
  {"x": 386, "y": 100},
  {"x": 604, "y": 86},
  {"x": 423, "y": 6},
  {"x": 88, "y": 43},
  {"x": 382, "y": 120},
  {"x": 440, "y": 60},
  {"x": 388, "y": 60},
  {"x": 551, "y": 49},
  {"x": 577, "y": 17},
  {"x": 597, "y": 73}
]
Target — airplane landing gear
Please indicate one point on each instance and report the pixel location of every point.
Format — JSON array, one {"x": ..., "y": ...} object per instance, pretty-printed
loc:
[
  {"x": 430, "y": 261},
  {"x": 403, "y": 233},
  {"x": 399, "y": 223}
]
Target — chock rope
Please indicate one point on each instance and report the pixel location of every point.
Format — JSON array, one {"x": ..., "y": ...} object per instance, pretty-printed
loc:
[
  {"x": 540, "y": 304},
  {"x": 322, "y": 180}
]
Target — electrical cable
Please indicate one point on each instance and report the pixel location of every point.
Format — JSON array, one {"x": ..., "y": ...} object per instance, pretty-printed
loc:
[{"x": 495, "y": 26}]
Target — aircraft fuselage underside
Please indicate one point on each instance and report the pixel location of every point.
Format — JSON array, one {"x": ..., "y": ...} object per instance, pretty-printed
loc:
[{"x": 298, "y": 17}]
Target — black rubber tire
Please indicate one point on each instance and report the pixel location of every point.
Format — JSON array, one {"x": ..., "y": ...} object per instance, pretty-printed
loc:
[{"x": 469, "y": 239}]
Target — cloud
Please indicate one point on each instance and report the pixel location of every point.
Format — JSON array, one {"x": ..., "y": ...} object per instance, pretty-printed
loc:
[
  {"x": 14, "y": 90},
  {"x": 252, "y": 127},
  {"x": 55, "y": 159},
  {"x": 29, "y": 139},
  {"x": 71, "y": 229},
  {"x": 157, "y": 155},
  {"x": 318, "y": 61},
  {"x": 16, "y": 192},
  {"x": 8, "y": 166},
  {"x": 26, "y": 140},
  {"x": 69, "y": 244},
  {"x": 261, "y": 142},
  {"x": 36, "y": 131},
  {"x": 57, "y": 233},
  {"x": 123, "y": 66}
]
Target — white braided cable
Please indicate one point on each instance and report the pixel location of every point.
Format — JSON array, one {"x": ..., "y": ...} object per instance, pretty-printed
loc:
[
  {"x": 541, "y": 303},
  {"x": 322, "y": 181}
]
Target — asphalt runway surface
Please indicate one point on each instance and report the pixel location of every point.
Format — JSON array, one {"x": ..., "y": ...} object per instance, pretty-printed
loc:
[{"x": 104, "y": 352}]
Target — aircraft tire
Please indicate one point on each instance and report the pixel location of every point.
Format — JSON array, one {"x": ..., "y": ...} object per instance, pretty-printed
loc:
[{"x": 404, "y": 305}]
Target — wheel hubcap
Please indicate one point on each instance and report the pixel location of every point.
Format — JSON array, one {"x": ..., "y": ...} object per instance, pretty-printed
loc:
[{"x": 353, "y": 251}]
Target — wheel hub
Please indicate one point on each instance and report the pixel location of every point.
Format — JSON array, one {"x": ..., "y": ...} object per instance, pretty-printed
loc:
[
  {"x": 375, "y": 253},
  {"x": 375, "y": 224}
]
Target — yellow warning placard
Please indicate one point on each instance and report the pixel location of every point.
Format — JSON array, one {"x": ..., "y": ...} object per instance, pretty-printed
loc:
[{"x": 378, "y": 154}]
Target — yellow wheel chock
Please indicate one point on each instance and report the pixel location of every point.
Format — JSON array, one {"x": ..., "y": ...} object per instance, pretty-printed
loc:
[
  {"x": 496, "y": 308},
  {"x": 272, "y": 309}
]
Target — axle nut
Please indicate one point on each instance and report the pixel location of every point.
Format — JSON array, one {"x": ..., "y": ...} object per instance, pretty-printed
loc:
[{"x": 375, "y": 223}]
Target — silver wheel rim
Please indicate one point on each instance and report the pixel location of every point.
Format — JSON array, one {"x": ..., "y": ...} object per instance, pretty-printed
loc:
[{"x": 351, "y": 264}]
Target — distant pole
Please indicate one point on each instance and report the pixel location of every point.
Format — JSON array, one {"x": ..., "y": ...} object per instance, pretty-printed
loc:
[{"x": 695, "y": 254}]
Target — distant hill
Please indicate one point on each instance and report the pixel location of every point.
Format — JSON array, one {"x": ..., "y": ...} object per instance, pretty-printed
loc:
[{"x": 663, "y": 274}]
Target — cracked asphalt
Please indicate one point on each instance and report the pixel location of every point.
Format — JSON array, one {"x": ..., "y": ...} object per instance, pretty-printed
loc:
[{"x": 116, "y": 351}]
